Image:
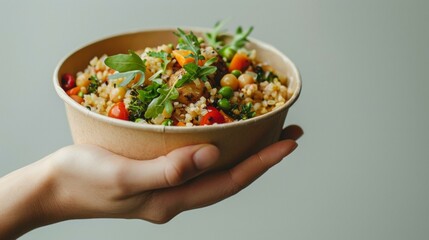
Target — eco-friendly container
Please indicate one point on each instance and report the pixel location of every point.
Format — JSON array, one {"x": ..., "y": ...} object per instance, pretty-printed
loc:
[{"x": 236, "y": 140}]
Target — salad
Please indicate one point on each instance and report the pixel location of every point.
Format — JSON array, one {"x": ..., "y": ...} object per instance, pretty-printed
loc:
[{"x": 211, "y": 79}]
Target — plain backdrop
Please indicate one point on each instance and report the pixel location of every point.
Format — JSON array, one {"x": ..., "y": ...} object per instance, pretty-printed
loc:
[{"x": 361, "y": 170}]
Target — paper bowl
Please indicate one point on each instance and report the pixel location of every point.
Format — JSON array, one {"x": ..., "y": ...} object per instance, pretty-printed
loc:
[{"x": 236, "y": 140}]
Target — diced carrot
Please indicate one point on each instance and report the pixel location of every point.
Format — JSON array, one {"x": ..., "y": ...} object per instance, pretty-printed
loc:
[
  {"x": 239, "y": 62},
  {"x": 77, "y": 98},
  {"x": 183, "y": 59},
  {"x": 180, "y": 124},
  {"x": 73, "y": 91}
]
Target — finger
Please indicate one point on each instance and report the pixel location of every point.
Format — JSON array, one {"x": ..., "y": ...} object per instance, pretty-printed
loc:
[
  {"x": 173, "y": 169},
  {"x": 292, "y": 132},
  {"x": 215, "y": 187}
]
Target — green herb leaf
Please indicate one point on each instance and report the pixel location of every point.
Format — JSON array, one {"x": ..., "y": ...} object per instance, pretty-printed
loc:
[
  {"x": 213, "y": 36},
  {"x": 158, "y": 104},
  {"x": 125, "y": 62},
  {"x": 240, "y": 38},
  {"x": 94, "y": 83},
  {"x": 128, "y": 77},
  {"x": 205, "y": 71},
  {"x": 164, "y": 56},
  {"x": 210, "y": 61},
  {"x": 189, "y": 42}
]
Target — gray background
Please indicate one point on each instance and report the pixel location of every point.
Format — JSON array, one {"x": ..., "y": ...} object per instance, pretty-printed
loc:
[{"x": 361, "y": 170}]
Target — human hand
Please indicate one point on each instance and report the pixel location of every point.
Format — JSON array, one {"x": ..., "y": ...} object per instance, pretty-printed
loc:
[{"x": 86, "y": 181}]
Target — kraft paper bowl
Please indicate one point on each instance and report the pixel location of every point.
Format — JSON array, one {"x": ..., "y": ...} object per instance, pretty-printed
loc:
[{"x": 236, "y": 140}]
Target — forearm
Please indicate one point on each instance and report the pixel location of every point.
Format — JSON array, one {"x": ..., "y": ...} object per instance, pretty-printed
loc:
[{"x": 25, "y": 198}]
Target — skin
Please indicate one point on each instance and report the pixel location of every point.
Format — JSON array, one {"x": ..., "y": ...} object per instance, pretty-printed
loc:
[{"x": 86, "y": 181}]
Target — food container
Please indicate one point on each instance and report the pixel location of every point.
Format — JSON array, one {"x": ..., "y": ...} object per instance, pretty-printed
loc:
[{"x": 236, "y": 140}]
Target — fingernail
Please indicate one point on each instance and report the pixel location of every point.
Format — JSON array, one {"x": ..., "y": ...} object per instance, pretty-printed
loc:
[
  {"x": 292, "y": 146},
  {"x": 205, "y": 157}
]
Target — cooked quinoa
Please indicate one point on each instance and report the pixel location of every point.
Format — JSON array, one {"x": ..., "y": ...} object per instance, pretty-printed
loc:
[{"x": 230, "y": 91}]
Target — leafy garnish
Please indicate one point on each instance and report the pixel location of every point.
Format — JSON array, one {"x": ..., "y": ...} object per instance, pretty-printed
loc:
[
  {"x": 213, "y": 36},
  {"x": 94, "y": 83},
  {"x": 240, "y": 38},
  {"x": 163, "y": 101},
  {"x": 190, "y": 42},
  {"x": 244, "y": 111},
  {"x": 264, "y": 75},
  {"x": 164, "y": 56},
  {"x": 238, "y": 41},
  {"x": 193, "y": 70},
  {"x": 128, "y": 66}
]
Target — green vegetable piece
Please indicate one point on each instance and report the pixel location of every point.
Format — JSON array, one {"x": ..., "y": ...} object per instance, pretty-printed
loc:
[
  {"x": 246, "y": 111},
  {"x": 224, "y": 104},
  {"x": 236, "y": 73},
  {"x": 227, "y": 53},
  {"x": 80, "y": 94},
  {"x": 128, "y": 66},
  {"x": 163, "y": 101},
  {"x": 165, "y": 60},
  {"x": 213, "y": 36},
  {"x": 125, "y": 62},
  {"x": 128, "y": 77},
  {"x": 167, "y": 122},
  {"x": 189, "y": 42},
  {"x": 226, "y": 92},
  {"x": 193, "y": 71},
  {"x": 240, "y": 38},
  {"x": 94, "y": 83},
  {"x": 139, "y": 120}
]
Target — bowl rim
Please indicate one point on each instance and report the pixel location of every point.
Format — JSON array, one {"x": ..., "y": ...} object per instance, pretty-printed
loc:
[{"x": 161, "y": 128}]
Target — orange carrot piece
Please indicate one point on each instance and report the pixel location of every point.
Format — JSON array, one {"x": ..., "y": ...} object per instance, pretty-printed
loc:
[
  {"x": 180, "y": 124},
  {"x": 73, "y": 91},
  {"x": 181, "y": 57},
  {"x": 239, "y": 62},
  {"x": 77, "y": 98}
]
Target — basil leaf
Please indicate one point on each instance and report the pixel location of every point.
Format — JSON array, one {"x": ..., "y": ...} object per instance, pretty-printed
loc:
[{"x": 125, "y": 62}]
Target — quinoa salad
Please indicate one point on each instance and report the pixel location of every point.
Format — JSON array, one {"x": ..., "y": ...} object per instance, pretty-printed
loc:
[{"x": 213, "y": 79}]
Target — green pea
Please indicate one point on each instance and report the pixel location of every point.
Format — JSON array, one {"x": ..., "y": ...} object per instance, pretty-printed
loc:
[
  {"x": 167, "y": 122},
  {"x": 80, "y": 94},
  {"x": 224, "y": 104},
  {"x": 227, "y": 53},
  {"x": 236, "y": 73},
  {"x": 226, "y": 92},
  {"x": 139, "y": 120}
]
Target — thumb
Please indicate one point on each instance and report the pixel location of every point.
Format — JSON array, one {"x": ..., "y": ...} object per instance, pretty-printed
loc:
[{"x": 172, "y": 169}]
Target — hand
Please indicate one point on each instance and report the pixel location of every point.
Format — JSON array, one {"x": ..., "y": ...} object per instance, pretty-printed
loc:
[{"x": 85, "y": 181}]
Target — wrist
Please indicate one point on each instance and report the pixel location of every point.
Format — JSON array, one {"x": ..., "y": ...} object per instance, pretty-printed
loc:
[{"x": 27, "y": 199}]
